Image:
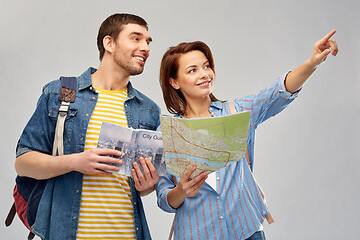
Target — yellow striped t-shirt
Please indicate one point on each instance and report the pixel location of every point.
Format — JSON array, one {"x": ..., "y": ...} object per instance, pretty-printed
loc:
[{"x": 106, "y": 210}]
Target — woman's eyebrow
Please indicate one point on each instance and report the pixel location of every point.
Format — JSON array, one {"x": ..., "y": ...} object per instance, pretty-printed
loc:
[{"x": 191, "y": 66}]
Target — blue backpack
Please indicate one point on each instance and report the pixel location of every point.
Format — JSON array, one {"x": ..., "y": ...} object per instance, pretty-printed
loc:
[{"x": 28, "y": 191}]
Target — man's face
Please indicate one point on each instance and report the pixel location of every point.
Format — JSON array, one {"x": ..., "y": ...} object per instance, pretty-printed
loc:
[{"x": 132, "y": 48}]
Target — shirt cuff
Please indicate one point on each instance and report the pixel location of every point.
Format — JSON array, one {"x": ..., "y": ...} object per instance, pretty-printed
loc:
[
  {"x": 163, "y": 202},
  {"x": 282, "y": 89},
  {"x": 22, "y": 150}
]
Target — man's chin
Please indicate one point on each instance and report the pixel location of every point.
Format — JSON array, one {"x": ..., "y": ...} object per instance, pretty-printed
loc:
[{"x": 136, "y": 72}]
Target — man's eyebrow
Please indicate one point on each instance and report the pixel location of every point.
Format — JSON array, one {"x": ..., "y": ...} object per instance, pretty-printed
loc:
[{"x": 140, "y": 34}]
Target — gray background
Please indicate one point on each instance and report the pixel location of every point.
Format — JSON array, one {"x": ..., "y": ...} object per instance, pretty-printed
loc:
[{"x": 307, "y": 159}]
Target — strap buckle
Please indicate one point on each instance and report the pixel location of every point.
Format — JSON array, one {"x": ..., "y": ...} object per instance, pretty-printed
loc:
[{"x": 64, "y": 108}]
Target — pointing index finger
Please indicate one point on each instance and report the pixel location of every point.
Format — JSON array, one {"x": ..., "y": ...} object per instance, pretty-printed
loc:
[{"x": 328, "y": 36}]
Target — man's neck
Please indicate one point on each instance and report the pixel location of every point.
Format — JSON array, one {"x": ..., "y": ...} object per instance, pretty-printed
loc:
[{"x": 108, "y": 77}]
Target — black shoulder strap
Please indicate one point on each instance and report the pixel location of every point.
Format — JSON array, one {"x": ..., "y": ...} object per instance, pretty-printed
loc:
[{"x": 10, "y": 216}]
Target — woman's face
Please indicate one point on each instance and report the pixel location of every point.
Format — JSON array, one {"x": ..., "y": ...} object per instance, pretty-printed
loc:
[{"x": 194, "y": 78}]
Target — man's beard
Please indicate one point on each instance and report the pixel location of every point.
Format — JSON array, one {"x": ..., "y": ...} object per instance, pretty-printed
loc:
[{"x": 130, "y": 67}]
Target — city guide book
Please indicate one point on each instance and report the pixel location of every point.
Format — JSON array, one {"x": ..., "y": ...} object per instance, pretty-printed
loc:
[
  {"x": 207, "y": 143},
  {"x": 133, "y": 143}
]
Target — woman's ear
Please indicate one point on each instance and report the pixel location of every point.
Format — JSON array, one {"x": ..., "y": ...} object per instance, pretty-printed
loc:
[{"x": 174, "y": 83}]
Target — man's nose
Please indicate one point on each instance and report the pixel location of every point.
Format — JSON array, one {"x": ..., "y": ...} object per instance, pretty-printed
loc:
[{"x": 145, "y": 46}]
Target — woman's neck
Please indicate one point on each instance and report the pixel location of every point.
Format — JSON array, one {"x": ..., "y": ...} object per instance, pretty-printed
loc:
[{"x": 198, "y": 109}]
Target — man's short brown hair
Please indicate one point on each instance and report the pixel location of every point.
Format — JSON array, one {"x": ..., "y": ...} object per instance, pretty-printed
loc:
[{"x": 113, "y": 25}]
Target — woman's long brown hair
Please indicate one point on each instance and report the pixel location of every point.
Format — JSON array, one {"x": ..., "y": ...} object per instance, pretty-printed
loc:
[{"x": 174, "y": 99}]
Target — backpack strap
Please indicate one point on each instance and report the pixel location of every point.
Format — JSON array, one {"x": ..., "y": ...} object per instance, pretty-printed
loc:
[
  {"x": 67, "y": 95},
  {"x": 11, "y": 215},
  {"x": 31, "y": 236}
]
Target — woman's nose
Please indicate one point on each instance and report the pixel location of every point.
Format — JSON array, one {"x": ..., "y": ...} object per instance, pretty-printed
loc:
[{"x": 204, "y": 73}]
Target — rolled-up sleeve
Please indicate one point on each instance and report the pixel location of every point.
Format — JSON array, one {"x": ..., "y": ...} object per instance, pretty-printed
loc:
[
  {"x": 38, "y": 133},
  {"x": 163, "y": 187},
  {"x": 267, "y": 102},
  {"x": 282, "y": 89}
]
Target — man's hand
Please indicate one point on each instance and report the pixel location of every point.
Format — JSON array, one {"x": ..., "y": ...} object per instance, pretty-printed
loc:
[
  {"x": 96, "y": 161},
  {"x": 43, "y": 166},
  {"x": 144, "y": 183}
]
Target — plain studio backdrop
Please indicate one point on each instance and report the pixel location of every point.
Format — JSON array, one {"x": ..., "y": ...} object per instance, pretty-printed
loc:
[{"x": 306, "y": 158}]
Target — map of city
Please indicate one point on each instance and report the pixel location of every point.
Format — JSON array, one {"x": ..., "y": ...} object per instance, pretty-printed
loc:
[{"x": 207, "y": 143}]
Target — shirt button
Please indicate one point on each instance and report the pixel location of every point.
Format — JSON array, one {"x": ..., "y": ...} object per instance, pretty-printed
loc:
[
  {"x": 82, "y": 139},
  {"x": 134, "y": 203},
  {"x": 90, "y": 88},
  {"x": 87, "y": 114},
  {"x": 217, "y": 178},
  {"x": 218, "y": 197},
  {"x": 137, "y": 229},
  {"x": 93, "y": 98},
  {"x": 74, "y": 218},
  {"x": 221, "y": 217},
  {"x": 77, "y": 191}
]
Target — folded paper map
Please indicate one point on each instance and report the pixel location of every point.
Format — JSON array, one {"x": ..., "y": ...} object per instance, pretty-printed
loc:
[{"x": 207, "y": 143}]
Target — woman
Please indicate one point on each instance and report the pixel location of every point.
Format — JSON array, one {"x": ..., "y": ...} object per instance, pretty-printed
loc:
[{"x": 226, "y": 204}]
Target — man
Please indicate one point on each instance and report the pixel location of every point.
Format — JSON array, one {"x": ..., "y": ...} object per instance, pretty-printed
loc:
[{"x": 81, "y": 200}]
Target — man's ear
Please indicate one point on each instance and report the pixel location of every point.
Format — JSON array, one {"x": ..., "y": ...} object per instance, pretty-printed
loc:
[
  {"x": 174, "y": 83},
  {"x": 108, "y": 43}
]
